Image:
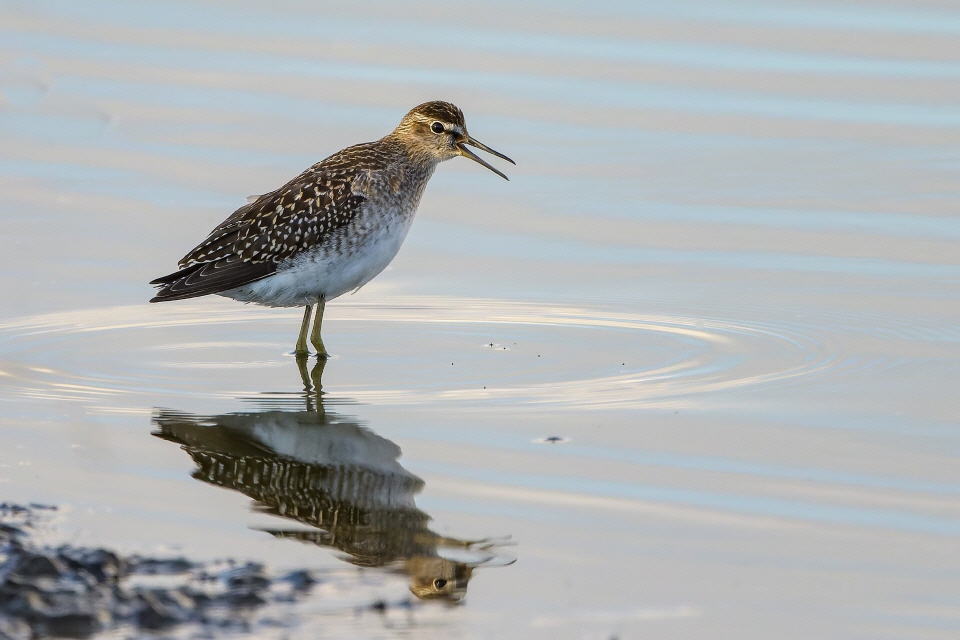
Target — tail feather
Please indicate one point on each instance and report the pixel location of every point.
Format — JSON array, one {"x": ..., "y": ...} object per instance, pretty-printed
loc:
[
  {"x": 176, "y": 275},
  {"x": 210, "y": 277}
]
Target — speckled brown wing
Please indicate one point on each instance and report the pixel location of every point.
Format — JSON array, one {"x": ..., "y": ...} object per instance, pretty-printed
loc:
[
  {"x": 251, "y": 243},
  {"x": 298, "y": 217}
]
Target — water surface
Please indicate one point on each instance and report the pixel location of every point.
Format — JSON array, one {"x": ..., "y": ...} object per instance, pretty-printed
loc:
[{"x": 697, "y": 359}]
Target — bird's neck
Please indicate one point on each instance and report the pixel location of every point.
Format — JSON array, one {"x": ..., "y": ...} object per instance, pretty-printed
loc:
[{"x": 422, "y": 158}]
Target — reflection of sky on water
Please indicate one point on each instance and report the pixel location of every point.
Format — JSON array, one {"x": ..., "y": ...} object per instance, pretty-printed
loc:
[
  {"x": 570, "y": 90},
  {"x": 730, "y": 236},
  {"x": 523, "y": 43},
  {"x": 575, "y": 488},
  {"x": 694, "y": 463},
  {"x": 878, "y": 18},
  {"x": 498, "y": 244}
]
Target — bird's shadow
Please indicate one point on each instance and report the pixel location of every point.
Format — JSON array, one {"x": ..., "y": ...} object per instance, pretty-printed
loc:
[{"x": 323, "y": 469}]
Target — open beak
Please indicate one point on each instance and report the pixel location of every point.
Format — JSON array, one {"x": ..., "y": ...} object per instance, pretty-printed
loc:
[{"x": 466, "y": 153}]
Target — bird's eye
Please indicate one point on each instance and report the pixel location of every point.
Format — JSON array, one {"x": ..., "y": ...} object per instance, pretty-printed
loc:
[
  {"x": 436, "y": 127},
  {"x": 439, "y": 584}
]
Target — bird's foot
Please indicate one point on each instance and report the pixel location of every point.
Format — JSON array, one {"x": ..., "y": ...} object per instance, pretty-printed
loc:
[{"x": 321, "y": 350}]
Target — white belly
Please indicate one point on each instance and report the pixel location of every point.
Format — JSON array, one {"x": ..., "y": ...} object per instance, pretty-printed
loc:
[{"x": 341, "y": 264}]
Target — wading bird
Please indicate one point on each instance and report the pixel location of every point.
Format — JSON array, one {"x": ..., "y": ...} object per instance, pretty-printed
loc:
[{"x": 331, "y": 229}]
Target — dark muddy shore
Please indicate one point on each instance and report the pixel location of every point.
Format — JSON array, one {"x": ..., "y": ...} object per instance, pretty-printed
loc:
[{"x": 79, "y": 592}]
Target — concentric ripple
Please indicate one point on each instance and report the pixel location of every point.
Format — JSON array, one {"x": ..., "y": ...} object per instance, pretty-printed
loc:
[{"x": 406, "y": 350}]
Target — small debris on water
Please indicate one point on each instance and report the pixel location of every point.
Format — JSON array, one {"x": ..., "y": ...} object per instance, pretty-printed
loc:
[{"x": 552, "y": 440}]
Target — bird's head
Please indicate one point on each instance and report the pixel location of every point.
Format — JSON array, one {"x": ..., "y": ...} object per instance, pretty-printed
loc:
[
  {"x": 435, "y": 131},
  {"x": 436, "y": 578}
]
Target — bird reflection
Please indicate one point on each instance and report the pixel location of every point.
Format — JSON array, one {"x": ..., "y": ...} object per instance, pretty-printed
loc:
[{"x": 324, "y": 470}]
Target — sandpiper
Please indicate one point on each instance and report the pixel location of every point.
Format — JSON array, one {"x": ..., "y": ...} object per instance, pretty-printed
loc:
[{"x": 331, "y": 229}]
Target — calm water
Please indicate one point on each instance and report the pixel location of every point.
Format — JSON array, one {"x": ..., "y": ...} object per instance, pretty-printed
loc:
[{"x": 724, "y": 277}]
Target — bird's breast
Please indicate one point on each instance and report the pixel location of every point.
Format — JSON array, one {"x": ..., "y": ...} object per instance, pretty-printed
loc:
[
  {"x": 352, "y": 255},
  {"x": 346, "y": 259}
]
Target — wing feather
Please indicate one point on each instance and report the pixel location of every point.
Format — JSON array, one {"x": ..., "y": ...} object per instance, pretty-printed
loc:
[{"x": 274, "y": 227}]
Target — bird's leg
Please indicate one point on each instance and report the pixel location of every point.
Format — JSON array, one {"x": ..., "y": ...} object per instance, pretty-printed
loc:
[
  {"x": 315, "y": 339},
  {"x": 301, "y": 348}
]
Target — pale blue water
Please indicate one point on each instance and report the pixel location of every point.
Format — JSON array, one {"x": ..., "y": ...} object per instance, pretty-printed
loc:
[{"x": 725, "y": 272}]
